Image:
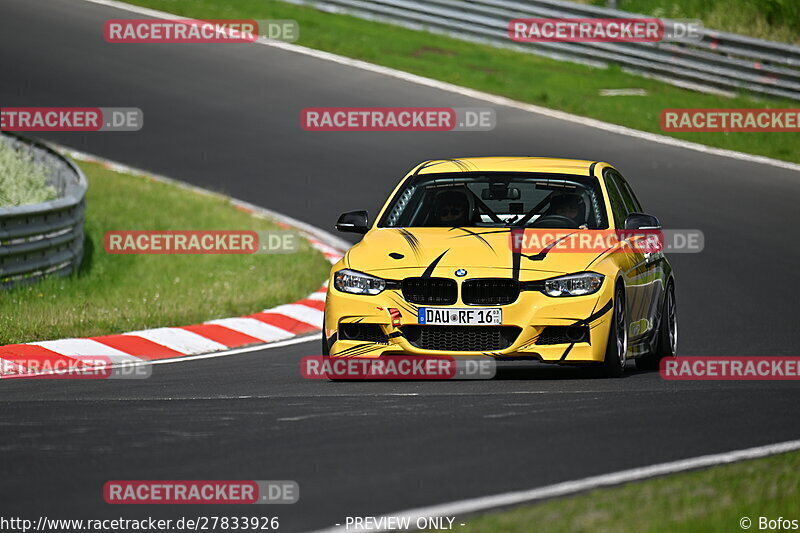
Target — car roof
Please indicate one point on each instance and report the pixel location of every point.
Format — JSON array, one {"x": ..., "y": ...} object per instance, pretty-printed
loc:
[{"x": 507, "y": 164}]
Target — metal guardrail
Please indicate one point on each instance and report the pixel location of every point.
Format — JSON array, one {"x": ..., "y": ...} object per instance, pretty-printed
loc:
[
  {"x": 719, "y": 61},
  {"x": 45, "y": 238}
]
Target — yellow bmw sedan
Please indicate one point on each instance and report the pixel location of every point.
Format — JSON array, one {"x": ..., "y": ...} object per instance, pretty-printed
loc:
[{"x": 509, "y": 258}]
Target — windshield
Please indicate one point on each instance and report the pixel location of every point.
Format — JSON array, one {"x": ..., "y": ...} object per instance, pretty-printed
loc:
[{"x": 481, "y": 199}]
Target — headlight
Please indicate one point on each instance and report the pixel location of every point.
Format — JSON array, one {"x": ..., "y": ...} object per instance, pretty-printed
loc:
[
  {"x": 574, "y": 284},
  {"x": 357, "y": 282}
]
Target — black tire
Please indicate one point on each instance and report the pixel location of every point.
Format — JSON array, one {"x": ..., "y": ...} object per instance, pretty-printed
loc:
[
  {"x": 326, "y": 353},
  {"x": 614, "y": 363},
  {"x": 326, "y": 350},
  {"x": 667, "y": 336}
]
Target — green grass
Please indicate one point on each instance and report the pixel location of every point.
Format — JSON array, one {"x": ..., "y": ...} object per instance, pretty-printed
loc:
[
  {"x": 525, "y": 77},
  {"x": 706, "y": 501},
  {"x": 776, "y": 20},
  {"x": 22, "y": 180},
  {"x": 117, "y": 293}
]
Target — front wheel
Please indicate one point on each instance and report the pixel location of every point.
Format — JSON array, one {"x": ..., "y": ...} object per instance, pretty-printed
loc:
[
  {"x": 326, "y": 350},
  {"x": 616, "y": 349},
  {"x": 667, "y": 336}
]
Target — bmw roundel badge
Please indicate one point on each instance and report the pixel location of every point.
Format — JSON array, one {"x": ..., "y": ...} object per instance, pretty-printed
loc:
[{"x": 461, "y": 272}]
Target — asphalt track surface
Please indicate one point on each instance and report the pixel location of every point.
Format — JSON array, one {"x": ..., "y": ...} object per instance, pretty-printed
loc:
[{"x": 227, "y": 117}]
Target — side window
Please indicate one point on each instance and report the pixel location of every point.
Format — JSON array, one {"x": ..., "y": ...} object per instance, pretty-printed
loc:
[
  {"x": 624, "y": 191},
  {"x": 618, "y": 208},
  {"x": 627, "y": 194}
]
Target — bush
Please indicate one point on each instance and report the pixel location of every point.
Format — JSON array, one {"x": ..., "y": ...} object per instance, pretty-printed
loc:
[
  {"x": 22, "y": 180},
  {"x": 776, "y": 20}
]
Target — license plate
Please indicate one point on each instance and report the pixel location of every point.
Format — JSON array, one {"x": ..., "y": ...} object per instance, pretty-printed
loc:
[{"x": 470, "y": 316}]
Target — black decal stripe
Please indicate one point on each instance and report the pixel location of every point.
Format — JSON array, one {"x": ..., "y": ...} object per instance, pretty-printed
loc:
[
  {"x": 594, "y": 316},
  {"x": 352, "y": 349},
  {"x": 357, "y": 350},
  {"x": 594, "y": 307},
  {"x": 429, "y": 271},
  {"x": 528, "y": 344},
  {"x": 601, "y": 254},
  {"x": 470, "y": 233},
  {"x": 488, "y": 232},
  {"x": 359, "y": 354},
  {"x": 460, "y": 164},
  {"x": 566, "y": 352},
  {"x": 411, "y": 308},
  {"x": 361, "y": 349},
  {"x": 541, "y": 255},
  {"x": 425, "y": 165},
  {"x": 464, "y": 167},
  {"x": 346, "y": 350},
  {"x": 412, "y": 241},
  {"x": 516, "y": 254}
]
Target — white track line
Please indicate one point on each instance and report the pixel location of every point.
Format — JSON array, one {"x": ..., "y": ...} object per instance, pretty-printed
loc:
[
  {"x": 479, "y": 95},
  {"x": 486, "y": 503}
]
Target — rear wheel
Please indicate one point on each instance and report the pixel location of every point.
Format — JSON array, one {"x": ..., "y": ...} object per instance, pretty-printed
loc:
[
  {"x": 667, "y": 336},
  {"x": 614, "y": 363}
]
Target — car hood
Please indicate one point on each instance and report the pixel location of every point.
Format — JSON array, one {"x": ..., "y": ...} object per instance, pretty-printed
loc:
[{"x": 441, "y": 251}]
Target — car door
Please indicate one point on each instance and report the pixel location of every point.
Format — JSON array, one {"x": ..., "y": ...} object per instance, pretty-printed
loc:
[
  {"x": 636, "y": 270},
  {"x": 650, "y": 273},
  {"x": 657, "y": 264}
]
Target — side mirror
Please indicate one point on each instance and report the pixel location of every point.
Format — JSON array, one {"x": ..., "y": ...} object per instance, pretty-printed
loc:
[
  {"x": 642, "y": 221},
  {"x": 353, "y": 222}
]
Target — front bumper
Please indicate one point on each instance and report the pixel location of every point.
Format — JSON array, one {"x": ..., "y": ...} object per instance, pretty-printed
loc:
[{"x": 532, "y": 312}]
